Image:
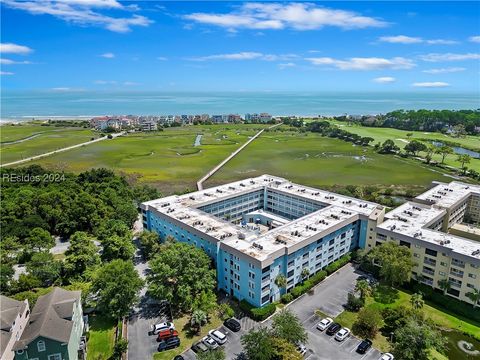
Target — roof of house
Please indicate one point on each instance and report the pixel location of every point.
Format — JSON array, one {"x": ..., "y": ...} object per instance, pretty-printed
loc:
[
  {"x": 49, "y": 317},
  {"x": 9, "y": 310}
]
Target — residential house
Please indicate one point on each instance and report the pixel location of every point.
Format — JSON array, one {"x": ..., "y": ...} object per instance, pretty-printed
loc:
[
  {"x": 14, "y": 317},
  {"x": 55, "y": 329}
]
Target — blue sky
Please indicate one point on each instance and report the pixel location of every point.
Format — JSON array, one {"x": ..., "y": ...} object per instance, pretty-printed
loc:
[{"x": 74, "y": 45}]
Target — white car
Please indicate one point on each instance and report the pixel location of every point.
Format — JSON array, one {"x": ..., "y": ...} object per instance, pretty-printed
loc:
[
  {"x": 155, "y": 329},
  {"x": 342, "y": 334},
  {"x": 387, "y": 356},
  {"x": 302, "y": 349},
  {"x": 322, "y": 325},
  {"x": 218, "y": 336},
  {"x": 210, "y": 343}
]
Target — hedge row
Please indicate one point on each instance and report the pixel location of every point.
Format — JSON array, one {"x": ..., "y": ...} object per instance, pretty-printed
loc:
[
  {"x": 344, "y": 260},
  {"x": 444, "y": 301},
  {"x": 260, "y": 313}
]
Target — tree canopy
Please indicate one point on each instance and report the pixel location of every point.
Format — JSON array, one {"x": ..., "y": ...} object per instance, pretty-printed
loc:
[{"x": 395, "y": 262}]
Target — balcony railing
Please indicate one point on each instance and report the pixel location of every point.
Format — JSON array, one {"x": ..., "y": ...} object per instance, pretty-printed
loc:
[{"x": 429, "y": 272}]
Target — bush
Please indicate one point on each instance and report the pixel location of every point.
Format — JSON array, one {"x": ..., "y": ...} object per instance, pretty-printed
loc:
[
  {"x": 368, "y": 322},
  {"x": 354, "y": 303},
  {"x": 286, "y": 298},
  {"x": 260, "y": 313},
  {"x": 338, "y": 264}
]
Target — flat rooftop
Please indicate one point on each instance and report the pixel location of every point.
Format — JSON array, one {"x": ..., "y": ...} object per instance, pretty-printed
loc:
[
  {"x": 413, "y": 219},
  {"x": 336, "y": 209},
  {"x": 447, "y": 195}
]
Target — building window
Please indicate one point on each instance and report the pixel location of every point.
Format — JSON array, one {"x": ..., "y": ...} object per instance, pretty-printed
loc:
[
  {"x": 55, "y": 357},
  {"x": 41, "y": 346},
  {"x": 473, "y": 276},
  {"x": 430, "y": 252}
]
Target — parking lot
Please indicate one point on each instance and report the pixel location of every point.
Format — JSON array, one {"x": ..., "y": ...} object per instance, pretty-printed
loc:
[{"x": 329, "y": 297}]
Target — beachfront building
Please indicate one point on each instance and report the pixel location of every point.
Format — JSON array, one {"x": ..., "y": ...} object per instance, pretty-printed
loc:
[
  {"x": 55, "y": 329},
  {"x": 14, "y": 317},
  {"x": 440, "y": 227},
  {"x": 257, "y": 229}
]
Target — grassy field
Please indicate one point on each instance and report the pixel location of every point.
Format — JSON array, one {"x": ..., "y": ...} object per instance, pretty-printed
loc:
[
  {"x": 400, "y": 138},
  {"x": 101, "y": 338},
  {"x": 315, "y": 160},
  {"x": 187, "y": 336},
  {"x": 46, "y": 139},
  {"x": 166, "y": 159},
  {"x": 384, "y": 297}
]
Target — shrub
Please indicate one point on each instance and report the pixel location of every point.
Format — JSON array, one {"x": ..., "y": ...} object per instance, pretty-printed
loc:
[
  {"x": 368, "y": 322},
  {"x": 258, "y": 314},
  {"x": 354, "y": 303},
  {"x": 286, "y": 298},
  {"x": 338, "y": 264}
]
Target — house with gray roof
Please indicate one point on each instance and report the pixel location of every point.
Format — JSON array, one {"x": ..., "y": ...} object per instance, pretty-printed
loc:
[
  {"x": 55, "y": 328},
  {"x": 14, "y": 317}
]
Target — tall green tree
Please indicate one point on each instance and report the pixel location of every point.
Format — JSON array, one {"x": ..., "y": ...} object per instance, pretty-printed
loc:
[
  {"x": 117, "y": 284},
  {"x": 363, "y": 287},
  {"x": 368, "y": 322},
  {"x": 198, "y": 319},
  {"x": 258, "y": 344},
  {"x": 444, "y": 284},
  {"x": 44, "y": 267},
  {"x": 415, "y": 340},
  {"x": 474, "y": 296},
  {"x": 81, "y": 255},
  {"x": 150, "y": 242},
  {"x": 284, "y": 350},
  {"x": 414, "y": 147},
  {"x": 117, "y": 247},
  {"x": 395, "y": 262},
  {"x": 444, "y": 151},
  {"x": 40, "y": 239},
  {"x": 180, "y": 273},
  {"x": 416, "y": 301},
  {"x": 464, "y": 159},
  {"x": 287, "y": 326}
]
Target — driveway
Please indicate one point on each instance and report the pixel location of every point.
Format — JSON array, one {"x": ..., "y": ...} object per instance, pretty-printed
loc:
[{"x": 328, "y": 297}]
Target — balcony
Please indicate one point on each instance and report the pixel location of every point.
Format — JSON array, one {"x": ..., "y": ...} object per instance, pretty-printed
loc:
[
  {"x": 428, "y": 271},
  {"x": 456, "y": 273},
  {"x": 430, "y": 262}
]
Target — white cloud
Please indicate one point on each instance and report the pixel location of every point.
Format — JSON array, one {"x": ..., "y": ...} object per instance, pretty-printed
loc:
[
  {"x": 105, "y": 82},
  {"x": 286, "y": 65},
  {"x": 400, "y": 39},
  {"x": 384, "y": 80},
  {"x": 274, "y": 16},
  {"x": 81, "y": 12},
  {"x": 475, "y": 39},
  {"x": 403, "y": 39},
  {"x": 6, "y": 73},
  {"x": 130, "y": 83},
  {"x": 108, "y": 55},
  {"x": 4, "y": 61},
  {"x": 449, "y": 57},
  {"x": 60, "y": 89},
  {"x": 246, "y": 55},
  {"x": 162, "y": 58},
  {"x": 14, "y": 49},
  {"x": 434, "y": 84},
  {"x": 444, "y": 70},
  {"x": 372, "y": 63}
]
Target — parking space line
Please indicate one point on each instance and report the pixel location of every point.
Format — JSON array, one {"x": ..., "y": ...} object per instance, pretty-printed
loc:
[{"x": 369, "y": 350}]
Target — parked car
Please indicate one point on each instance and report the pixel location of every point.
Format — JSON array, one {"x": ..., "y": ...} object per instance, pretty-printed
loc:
[
  {"x": 166, "y": 334},
  {"x": 199, "y": 347},
  {"x": 333, "y": 328},
  {"x": 386, "y": 356},
  {"x": 364, "y": 346},
  {"x": 155, "y": 329},
  {"x": 325, "y": 323},
  {"x": 232, "y": 324},
  {"x": 342, "y": 334},
  {"x": 218, "y": 336},
  {"x": 178, "y": 357},
  {"x": 169, "y": 344},
  {"x": 302, "y": 349},
  {"x": 209, "y": 342}
]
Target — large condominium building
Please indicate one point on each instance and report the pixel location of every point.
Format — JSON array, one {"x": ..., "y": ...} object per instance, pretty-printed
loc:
[
  {"x": 259, "y": 228},
  {"x": 14, "y": 317},
  {"x": 440, "y": 227}
]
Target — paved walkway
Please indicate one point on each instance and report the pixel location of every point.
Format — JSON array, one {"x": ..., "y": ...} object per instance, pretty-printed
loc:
[
  {"x": 59, "y": 150},
  {"x": 230, "y": 157}
]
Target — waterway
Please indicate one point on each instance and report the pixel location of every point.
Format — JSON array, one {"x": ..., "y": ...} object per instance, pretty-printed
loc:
[{"x": 460, "y": 150}]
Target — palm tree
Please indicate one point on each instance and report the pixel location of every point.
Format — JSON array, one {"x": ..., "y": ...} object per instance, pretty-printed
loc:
[
  {"x": 464, "y": 159},
  {"x": 444, "y": 150},
  {"x": 474, "y": 296},
  {"x": 305, "y": 273},
  {"x": 444, "y": 284},
  {"x": 281, "y": 281},
  {"x": 199, "y": 317},
  {"x": 417, "y": 301},
  {"x": 363, "y": 287}
]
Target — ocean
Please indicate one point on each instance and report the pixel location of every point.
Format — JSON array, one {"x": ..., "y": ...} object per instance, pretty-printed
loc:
[{"x": 25, "y": 105}]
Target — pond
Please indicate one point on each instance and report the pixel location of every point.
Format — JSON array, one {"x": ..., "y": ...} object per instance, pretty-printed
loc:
[
  {"x": 460, "y": 346},
  {"x": 459, "y": 150}
]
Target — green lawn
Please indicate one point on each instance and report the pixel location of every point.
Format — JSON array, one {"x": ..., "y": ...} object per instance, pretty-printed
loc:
[
  {"x": 400, "y": 138},
  {"x": 314, "y": 160},
  {"x": 187, "y": 336},
  {"x": 384, "y": 297},
  {"x": 101, "y": 338},
  {"x": 48, "y": 139},
  {"x": 166, "y": 159}
]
